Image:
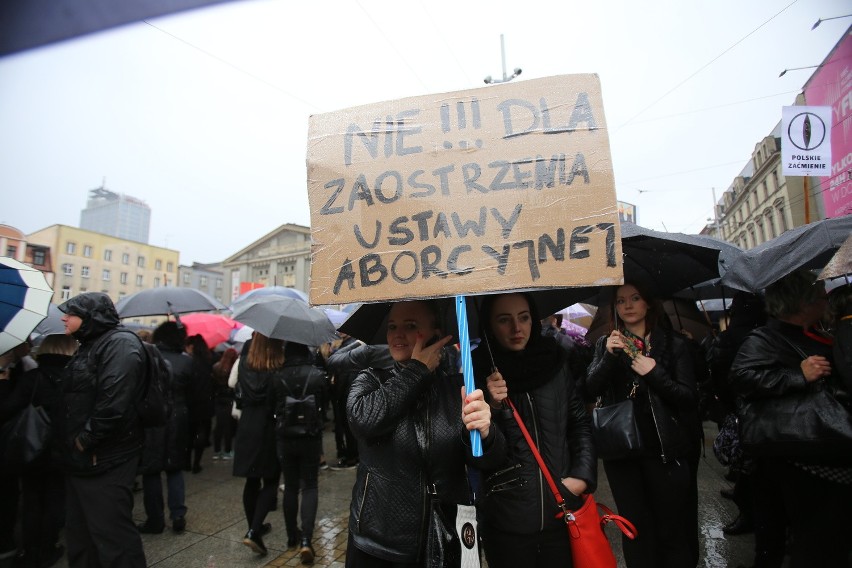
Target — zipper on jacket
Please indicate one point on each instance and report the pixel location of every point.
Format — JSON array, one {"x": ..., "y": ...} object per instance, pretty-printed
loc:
[
  {"x": 538, "y": 469},
  {"x": 363, "y": 501},
  {"x": 657, "y": 428}
]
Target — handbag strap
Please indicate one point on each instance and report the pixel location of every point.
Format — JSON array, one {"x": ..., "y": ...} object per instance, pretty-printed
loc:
[{"x": 565, "y": 513}]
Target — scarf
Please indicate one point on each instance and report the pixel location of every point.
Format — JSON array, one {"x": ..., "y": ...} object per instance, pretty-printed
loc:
[
  {"x": 635, "y": 344},
  {"x": 525, "y": 370}
]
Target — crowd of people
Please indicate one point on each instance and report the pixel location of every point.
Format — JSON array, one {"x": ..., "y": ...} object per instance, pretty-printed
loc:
[{"x": 402, "y": 417}]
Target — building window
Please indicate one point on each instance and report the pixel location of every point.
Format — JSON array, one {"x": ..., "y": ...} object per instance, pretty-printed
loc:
[
  {"x": 107, "y": 255},
  {"x": 186, "y": 278},
  {"x": 68, "y": 269},
  {"x": 202, "y": 281},
  {"x": 125, "y": 258},
  {"x": 761, "y": 234},
  {"x": 140, "y": 262},
  {"x": 122, "y": 278},
  {"x": 38, "y": 257},
  {"x": 770, "y": 222},
  {"x": 105, "y": 275},
  {"x": 156, "y": 281},
  {"x": 87, "y": 251},
  {"x": 170, "y": 267},
  {"x": 138, "y": 279},
  {"x": 775, "y": 183},
  {"x": 70, "y": 248},
  {"x": 66, "y": 293},
  {"x": 122, "y": 295},
  {"x": 158, "y": 264},
  {"x": 782, "y": 217},
  {"x": 84, "y": 272},
  {"x": 218, "y": 283},
  {"x": 11, "y": 250}
]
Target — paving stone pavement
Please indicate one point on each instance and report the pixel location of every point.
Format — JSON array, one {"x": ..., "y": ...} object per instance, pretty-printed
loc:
[{"x": 215, "y": 524}]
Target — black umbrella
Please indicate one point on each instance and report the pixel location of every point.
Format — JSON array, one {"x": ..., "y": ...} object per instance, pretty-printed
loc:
[
  {"x": 167, "y": 300},
  {"x": 806, "y": 247},
  {"x": 368, "y": 322},
  {"x": 667, "y": 262},
  {"x": 683, "y": 314},
  {"x": 286, "y": 318}
]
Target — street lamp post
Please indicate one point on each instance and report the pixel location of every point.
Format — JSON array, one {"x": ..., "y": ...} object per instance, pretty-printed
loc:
[{"x": 506, "y": 78}]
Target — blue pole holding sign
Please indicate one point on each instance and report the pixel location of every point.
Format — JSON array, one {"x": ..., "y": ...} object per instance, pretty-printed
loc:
[{"x": 467, "y": 366}]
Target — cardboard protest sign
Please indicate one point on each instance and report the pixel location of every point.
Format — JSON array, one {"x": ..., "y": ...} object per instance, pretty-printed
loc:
[{"x": 507, "y": 187}]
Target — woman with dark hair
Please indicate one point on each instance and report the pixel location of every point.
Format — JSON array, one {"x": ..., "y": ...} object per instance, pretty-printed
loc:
[
  {"x": 786, "y": 359},
  {"x": 300, "y": 444},
  {"x": 200, "y": 401},
  {"x": 411, "y": 422},
  {"x": 255, "y": 455},
  {"x": 223, "y": 400},
  {"x": 43, "y": 484},
  {"x": 515, "y": 361},
  {"x": 645, "y": 361}
]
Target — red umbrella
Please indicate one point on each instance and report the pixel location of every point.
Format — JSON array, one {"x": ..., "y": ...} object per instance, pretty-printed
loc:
[{"x": 214, "y": 328}]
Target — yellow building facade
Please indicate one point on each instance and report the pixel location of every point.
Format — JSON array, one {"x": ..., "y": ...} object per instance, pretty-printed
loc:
[{"x": 85, "y": 261}]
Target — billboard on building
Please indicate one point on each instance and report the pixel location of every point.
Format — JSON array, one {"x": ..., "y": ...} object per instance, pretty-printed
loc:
[
  {"x": 831, "y": 85},
  {"x": 626, "y": 212}
]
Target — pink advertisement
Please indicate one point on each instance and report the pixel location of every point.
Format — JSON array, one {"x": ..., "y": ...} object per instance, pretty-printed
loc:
[{"x": 831, "y": 85}]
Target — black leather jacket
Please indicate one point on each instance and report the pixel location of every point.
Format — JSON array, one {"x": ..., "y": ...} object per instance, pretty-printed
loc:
[
  {"x": 386, "y": 407},
  {"x": 667, "y": 397},
  {"x": 517, "y": 497},
  {"x": 105, "y": 380}
]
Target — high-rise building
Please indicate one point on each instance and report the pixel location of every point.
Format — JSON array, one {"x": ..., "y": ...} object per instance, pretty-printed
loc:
[{"x": 117, "y": 215}]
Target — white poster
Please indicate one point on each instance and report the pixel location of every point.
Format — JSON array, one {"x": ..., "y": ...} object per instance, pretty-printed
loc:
[{"x": 806, "y": 141}]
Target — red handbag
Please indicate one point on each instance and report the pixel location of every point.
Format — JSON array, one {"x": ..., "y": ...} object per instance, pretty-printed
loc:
[{"x": 589, "y": 545}]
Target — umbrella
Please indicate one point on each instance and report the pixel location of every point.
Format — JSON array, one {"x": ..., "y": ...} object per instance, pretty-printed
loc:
[
  {"x": 840, "y": 263},
  {"x": 287, "y": 319},
  {"x": 214, "y": 328},
  {"x": 51, "y": 325},
  {"x": 167, "y": 300},
  {"x": 369, "y": 321},
  {"x": 241, "y": 335},
  {"x": 806, "y": 247},
  {"x": 281, "y": 291},
  {"x": 337, "y": 317},
  {"x": 579, "y": 314},
  {"x": 24, "y": 300},
  {"x": 667, "y": 262}
]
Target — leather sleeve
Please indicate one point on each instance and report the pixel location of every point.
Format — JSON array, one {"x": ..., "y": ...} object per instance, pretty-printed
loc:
[
  {"x": 601, "y": 370},
  {"x": 760, "y": 371},
  {"x": 584, "y": 459},
  {"x": 120, "y": 372},
  {"x": 677, "y": 385},
  {"x": 375, "y": 407}
]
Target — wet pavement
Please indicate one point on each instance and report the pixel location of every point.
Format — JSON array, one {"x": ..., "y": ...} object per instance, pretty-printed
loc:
[{"x": 215, "y": 524}]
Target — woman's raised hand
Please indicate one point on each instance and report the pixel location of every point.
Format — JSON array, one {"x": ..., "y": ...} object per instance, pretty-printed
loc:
[
  {"x": 476, "y": 414},
  {"x": 431, "y": 354},
  {"x": 614, "y": 341},
  {"x": 497, "y": 388}
]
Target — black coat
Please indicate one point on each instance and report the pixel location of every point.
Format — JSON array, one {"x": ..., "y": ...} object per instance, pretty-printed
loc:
[
  {"x": 666, "y": 399},
  {"x": 387, "y": 516},
  {"x": 299, "y": 376},
  {"x": 105, "y": 381},
  {"x": 165, "y": 447},
  {"x": 255, "y": 452},
  {"x": 517, "y": 497}
]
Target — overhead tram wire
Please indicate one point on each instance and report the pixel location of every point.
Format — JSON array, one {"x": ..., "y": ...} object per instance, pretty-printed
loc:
[
  {"x": 235, "y": 67},
  {"x": 446, "y": 43},
  {"x": 703, "y": 67}
]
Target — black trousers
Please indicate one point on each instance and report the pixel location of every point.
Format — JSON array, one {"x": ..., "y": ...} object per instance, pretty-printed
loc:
[
  {"x": 99, "y": 532},
  {"x": 659, "y": 498},
  {"x": 299, "y": 459},
  {"x": 43, "y": 509},
  {"x": 347, "y": 445},
  {"x": 540, "y": 550},
  {"x": 258, "y": 501},
  {"x": 224, "y": 430}
]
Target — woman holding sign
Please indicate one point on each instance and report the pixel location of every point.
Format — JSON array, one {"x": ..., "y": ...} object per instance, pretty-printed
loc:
[
  {"x": 515, "y": 362},
  {"x": 656, "y": 489},
  {"x": 412, "y": 423}
]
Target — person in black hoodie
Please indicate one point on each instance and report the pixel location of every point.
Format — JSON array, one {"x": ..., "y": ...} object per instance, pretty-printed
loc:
[
  {"x": 43, "y": 485},
  {"x": 101, "y": 437},
  {"x": 657, "y": 490},
  {"x": 514, "y": 361}
]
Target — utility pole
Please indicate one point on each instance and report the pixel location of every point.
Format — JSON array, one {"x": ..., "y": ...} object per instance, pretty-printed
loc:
[{"x": 506, "y": 78}]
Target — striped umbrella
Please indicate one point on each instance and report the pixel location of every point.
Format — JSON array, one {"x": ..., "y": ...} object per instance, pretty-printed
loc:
[{"x": 24, "y": 298}]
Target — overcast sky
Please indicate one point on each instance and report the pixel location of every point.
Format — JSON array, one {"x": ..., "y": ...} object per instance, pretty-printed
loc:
[{"x": 204, "y": 115}]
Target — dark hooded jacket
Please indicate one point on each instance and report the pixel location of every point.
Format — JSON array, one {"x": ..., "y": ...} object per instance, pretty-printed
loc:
[{"x": 104, "y": 383}]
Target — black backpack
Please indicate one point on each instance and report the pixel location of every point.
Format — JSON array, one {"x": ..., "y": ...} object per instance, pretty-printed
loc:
[
  {"x": 154, "y": 405},
  {"x": 298, "y": 417}
]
